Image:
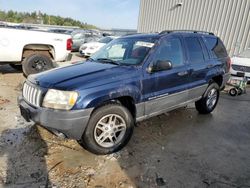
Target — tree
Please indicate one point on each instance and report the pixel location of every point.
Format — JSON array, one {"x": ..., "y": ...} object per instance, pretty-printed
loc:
[{"x": 26, "y": 17}]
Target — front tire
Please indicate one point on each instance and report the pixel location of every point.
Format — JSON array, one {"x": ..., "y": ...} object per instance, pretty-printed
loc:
[
  {"x": 209, "y": 99},
  {"x": 36, "y": 63},
  {"x": 109, "y": 129}
]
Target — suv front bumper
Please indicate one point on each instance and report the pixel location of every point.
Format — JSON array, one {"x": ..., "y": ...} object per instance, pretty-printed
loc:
[{"x": 71, "y": 123}]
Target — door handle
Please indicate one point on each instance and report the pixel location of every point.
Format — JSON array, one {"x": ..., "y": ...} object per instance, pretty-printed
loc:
[{"x": 183, "y": 73}]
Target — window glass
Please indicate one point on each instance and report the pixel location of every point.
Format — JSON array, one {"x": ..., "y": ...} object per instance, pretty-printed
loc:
[
  {"x": 125, "y": 51},
  {"x": 171, "y": 50},
  {"x": 78, "y": 36},
  {"x": 116, "y": 52},
  {"x": 105, "y": 40},
  {"x": 88, "y": 35},
  {"x": 216, "y": 47},
  {"x": 194, "y": 50},
  {"x": 140, "y": 49}
]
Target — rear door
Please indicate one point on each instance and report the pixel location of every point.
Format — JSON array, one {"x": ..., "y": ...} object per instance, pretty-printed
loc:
[
  {"x": 217, "y": 52},
  {"x": 198, "y": 65},
  {"x": 165, "y": 89}
]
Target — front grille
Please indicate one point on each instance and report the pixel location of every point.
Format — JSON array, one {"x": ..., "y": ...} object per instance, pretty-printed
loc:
[
  {"x": 32, "y": 94},
  {"x": 241, "y": 68}
]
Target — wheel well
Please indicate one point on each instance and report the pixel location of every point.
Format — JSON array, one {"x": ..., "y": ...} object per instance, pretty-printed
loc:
[
  {"x": 218, "y": 80},
  {"x": 47, "y": 50},
  {"x": 129, "y": 103},
  {"x": 125, "y": 101}
]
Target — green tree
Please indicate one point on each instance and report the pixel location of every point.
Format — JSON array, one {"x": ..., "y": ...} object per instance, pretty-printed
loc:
[{"x": 26, "y": 17}]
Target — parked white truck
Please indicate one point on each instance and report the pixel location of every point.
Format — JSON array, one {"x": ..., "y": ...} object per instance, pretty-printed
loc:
[{"x": 33, "y": 51}]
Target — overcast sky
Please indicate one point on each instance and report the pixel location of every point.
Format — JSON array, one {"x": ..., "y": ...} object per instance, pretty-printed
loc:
[{"x": 102, "y": 13}]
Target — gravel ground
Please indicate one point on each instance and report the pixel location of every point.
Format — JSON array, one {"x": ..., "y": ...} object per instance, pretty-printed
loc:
[{"x": 176, "y": 149}]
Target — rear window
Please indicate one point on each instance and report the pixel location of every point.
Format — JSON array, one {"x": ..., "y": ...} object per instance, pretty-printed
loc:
[
  {"x": 194, "y": 50},
  {"x": 78, "y": 36},
  {"x": 216, "y": 47}
]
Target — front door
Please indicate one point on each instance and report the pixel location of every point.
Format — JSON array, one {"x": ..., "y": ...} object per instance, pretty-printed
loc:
[{"x": 166, "y": 89}]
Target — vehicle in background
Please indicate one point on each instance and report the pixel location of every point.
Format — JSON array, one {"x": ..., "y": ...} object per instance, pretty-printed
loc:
[
  {"x": 130, "y": 79},
  {"x": 90, "y": 48},
  {"x": 18, "y": 26},
  {"x": 241, "y": 64},
  {"x": 62, "y": 31},
  {"x": 33, "y": 51},
  {"x": 80, "y": 38}
]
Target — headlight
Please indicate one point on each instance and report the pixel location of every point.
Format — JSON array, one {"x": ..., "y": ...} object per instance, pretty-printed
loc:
[
  {"x": 83, "y": 48},
  {"x": 63, "y": 100},
  {"x": 93, "y": 47}
]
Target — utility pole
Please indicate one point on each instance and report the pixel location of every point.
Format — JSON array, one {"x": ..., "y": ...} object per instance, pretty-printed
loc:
[{"x": 39, "y": 18}]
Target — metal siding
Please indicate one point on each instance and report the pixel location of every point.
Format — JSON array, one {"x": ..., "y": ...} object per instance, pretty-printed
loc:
[
  {"x": 228, "y": 19},
  {"x": 246, "y": 32}
]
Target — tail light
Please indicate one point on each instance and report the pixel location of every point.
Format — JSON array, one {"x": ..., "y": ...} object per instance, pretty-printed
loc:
[
  {"x": 69, "y": 44},
  {"x": 229, "y": 62}
]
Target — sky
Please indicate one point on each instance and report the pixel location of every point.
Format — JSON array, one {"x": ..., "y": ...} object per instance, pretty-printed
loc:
[{"x": 101, "y": 13}]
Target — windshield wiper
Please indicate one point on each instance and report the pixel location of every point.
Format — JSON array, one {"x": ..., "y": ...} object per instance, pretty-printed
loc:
[{"x": 106, "y": 60}]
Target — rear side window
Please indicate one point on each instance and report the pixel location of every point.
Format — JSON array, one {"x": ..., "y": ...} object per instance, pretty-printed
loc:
[
  {"x": 194, "y": 50},
  {"x": 78, "y": 36},
  {"x": 216, "y": 47}
]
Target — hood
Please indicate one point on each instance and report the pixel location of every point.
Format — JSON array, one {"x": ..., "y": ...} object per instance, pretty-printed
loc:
[
  {"x": 83, "y": 75},
  {"x": 240, "y": 61},
  {"x": 91, "y": 44}
]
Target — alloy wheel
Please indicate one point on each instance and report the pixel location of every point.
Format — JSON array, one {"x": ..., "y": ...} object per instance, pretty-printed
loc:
[
  {"x": 110, "y": 130},
  {"x": 212, "y": 98}
]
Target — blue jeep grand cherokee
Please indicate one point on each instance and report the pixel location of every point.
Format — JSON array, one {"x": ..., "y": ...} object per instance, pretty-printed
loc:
[{"x": 135, "y": 77}]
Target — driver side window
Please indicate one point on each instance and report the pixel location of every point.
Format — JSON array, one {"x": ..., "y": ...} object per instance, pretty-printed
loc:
[{"x": 170, "y": 49}]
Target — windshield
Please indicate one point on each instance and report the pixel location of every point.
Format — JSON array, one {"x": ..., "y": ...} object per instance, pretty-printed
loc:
[
  {"x": 78, "y": 36},
  {"x": 245, "y": 54},
  {"x": 105, "y": 40},
  {"x": 125, "y": 51}
]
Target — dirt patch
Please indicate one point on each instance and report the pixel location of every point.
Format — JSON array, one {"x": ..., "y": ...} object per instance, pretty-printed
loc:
[{"x": 3, "y": 101}]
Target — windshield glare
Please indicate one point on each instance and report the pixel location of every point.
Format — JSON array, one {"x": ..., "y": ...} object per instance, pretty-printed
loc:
[{"x": 125, "y": 51}]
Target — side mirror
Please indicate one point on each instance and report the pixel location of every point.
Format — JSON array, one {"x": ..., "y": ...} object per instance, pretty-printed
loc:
[{"x": 160, "y": 66}]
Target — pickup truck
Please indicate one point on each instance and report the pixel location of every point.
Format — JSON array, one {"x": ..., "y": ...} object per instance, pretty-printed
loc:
[
  {"x": 132, "y": 78},
  {"x": 36, "y": 51}
]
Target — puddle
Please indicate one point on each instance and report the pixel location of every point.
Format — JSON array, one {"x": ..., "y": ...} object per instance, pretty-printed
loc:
[
  {"x": 73, "y": 159},
  {"x": 16, "y": 135}
]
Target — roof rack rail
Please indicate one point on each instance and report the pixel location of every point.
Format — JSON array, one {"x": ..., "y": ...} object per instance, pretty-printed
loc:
[
  {"x": 188, "y": 31},
  {"x": 130, "y": 34}
]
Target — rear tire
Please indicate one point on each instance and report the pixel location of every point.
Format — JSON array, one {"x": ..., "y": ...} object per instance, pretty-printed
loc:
[
  {"x": 209, "y": 99},
  {"x": 36, "y": 63},
  {"x": 109, "y": 129}
]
